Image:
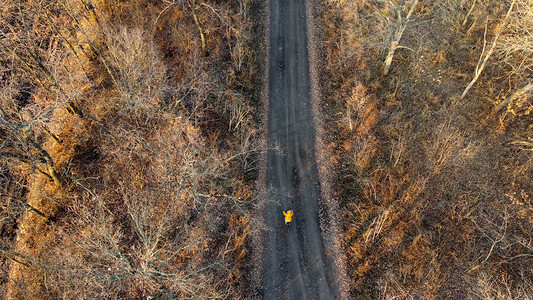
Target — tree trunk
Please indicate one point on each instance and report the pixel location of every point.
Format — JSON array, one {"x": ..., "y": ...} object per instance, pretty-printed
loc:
[
  {"x": 16, "y": 257},
  {"x": 26, "y": 205},
  {"x": 484, "y": 58},
  {"x": 396, "y": 36},
  {"x": 514, "y": 96},
  {"x": 199, "y": 26}
]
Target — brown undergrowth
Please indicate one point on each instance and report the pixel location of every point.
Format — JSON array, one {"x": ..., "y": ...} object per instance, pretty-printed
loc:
[
  {"x": 128, "y": 134},
  {"x": 435, "y": 189}
]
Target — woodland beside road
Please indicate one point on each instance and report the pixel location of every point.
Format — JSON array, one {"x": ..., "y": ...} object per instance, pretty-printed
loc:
[
  {"x": 128, "y": 148},
  {"x": 132, "y": 137},
  {"x": 428, "y": 106}
]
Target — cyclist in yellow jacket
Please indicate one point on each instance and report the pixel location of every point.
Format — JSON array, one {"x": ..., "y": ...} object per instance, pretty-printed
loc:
[{"x": 288, "y": 216}]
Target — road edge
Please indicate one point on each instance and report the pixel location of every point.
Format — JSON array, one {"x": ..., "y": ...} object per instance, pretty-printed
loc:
[
  {"x": 259, "y": 238},
  {"x": 329, "y": 218}
]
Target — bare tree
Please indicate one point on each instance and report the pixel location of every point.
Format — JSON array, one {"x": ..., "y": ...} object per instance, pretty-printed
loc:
[
  {"x": 485, "y": 56},
  {"x": 153, "y": 239},
  {"x": 22, "y": 130},
  {"x": 397, "y": 22},
  {"x": 515, "y": 51},
  {"x": 515, "y": 95}
]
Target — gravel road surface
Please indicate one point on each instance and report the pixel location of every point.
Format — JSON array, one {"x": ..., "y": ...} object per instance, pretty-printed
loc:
[{"x": 296, "y": 264}]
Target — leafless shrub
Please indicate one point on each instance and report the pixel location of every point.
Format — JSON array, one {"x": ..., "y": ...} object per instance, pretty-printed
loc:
[
  {"x": 159, "y": 256},
  {"x": 459, "y": 13},
  {"x": 486, "y": 53},
  {"x": 140, "y": 73},
  {"x": 515, "y": 46},
  {"x": 449, "y": 147},
  {"x": 506, "y": 247},
  {"x": 514, "y": 50},
  {"x": 491, "y": 288}
]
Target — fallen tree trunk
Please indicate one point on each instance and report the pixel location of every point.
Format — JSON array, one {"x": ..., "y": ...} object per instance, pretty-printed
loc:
[{"x": 521, "y": 92}]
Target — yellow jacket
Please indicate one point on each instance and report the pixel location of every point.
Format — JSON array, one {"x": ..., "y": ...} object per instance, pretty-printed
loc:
[{"x": 288, "y": 215}]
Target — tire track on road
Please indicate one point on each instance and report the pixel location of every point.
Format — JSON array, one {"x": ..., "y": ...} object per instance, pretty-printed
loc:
[{"x": 296, "y": 265}]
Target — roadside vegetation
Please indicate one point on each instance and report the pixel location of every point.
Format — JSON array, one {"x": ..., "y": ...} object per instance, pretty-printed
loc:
[
  {"x": 127, "y": 148},
  {"x": 429, "y": 114}
]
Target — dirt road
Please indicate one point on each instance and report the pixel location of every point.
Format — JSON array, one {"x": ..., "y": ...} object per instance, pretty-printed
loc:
[{"x": 295, "y": 263}]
